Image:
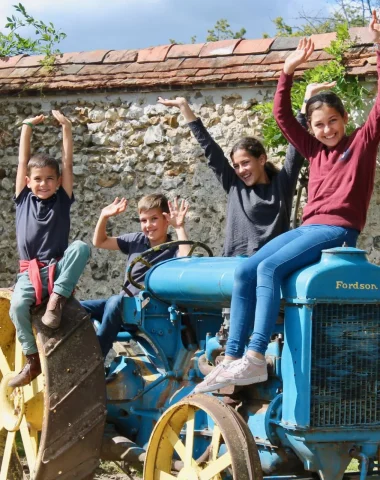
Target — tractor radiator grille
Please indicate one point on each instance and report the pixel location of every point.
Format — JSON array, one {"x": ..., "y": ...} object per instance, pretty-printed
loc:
[{"x": 345, "y": 374}]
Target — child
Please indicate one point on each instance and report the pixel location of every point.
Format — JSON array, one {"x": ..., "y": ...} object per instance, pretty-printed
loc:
[
  {"x": 259, "y": 197},
  {"x": 342, "y": 170},
  {"x": 47, "y": 265},
  {"x": 156, "y": 214}
]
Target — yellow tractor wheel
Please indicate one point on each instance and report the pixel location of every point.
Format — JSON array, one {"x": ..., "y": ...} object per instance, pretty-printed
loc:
[
  {"x": 55, "y": 423},
  {"x": 228, "y": 451}
]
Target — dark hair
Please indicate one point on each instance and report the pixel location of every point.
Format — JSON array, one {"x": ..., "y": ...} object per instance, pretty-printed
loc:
[
  {"x": 251, "y": 145},
  {"x": 330, "y": 99},
  {"x": 41, "y": 160},
  {"x": 156, "y": 200}
]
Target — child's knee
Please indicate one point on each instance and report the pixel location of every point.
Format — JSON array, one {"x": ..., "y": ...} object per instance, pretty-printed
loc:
[
  {"x": 244, "y": 271},
  {"x": 82, "y": 249},
  {"x": 18, "y": 309},
  {"x": 114, "y": 303}
]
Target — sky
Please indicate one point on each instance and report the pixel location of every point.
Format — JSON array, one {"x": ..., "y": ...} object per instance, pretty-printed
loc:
[{"x": 134, "y": 24}]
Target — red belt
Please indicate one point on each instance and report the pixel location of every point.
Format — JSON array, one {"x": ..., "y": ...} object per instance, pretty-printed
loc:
[{"x": 33, "y": 268}]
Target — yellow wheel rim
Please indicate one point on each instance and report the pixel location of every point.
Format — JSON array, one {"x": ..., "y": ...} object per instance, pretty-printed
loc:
[
  {"x": 21, "y": 409},
  {"x": 175, "y": 436}
]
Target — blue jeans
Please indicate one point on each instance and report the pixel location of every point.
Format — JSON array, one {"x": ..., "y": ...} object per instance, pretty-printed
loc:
[
  {"x": 67, "y": 273},
  {"x": 109, "y": 313},
  {"x": 256, "y": 293}
]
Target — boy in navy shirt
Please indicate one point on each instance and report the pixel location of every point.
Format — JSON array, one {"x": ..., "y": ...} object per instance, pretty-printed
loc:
[
  {"x": 48, "y": 266},
  {"x": 155, "y": 214}
]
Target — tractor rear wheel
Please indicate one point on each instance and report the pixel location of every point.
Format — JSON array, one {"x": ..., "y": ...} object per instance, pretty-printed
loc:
[{"x": 53, "y": 427}]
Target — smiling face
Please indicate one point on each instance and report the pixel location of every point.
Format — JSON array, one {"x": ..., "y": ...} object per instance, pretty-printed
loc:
[
  {"x": 154, "y": 226},
  {"x": 249, "y": 169},
  {"x": 43, "y": 182},
  {"x": 328, "y": 125}
]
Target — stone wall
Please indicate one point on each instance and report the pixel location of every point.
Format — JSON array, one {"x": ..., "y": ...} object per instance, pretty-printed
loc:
[{"x": 127, "y": 145}]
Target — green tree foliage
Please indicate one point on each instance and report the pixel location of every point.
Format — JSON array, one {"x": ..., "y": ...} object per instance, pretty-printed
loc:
[
  {"x": 221, "y": 31},
  {"x": 46, "y": 37},
  {"x": 354, "y": 13},
  {"x": 348, "y": 88}
]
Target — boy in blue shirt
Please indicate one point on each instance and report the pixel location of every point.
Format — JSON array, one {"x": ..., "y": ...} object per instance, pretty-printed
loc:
[
  {"x": 48, "y": 266},
  {"x": 156, "y": 213}
]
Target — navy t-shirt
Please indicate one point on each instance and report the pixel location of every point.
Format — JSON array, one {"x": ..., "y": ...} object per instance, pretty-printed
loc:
[
  {"x": 133, "y": 245},
  {"x": 42, "y": 226}
]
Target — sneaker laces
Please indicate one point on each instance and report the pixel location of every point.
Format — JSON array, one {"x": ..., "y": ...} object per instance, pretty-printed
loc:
[{"x": 241, "y": 366}]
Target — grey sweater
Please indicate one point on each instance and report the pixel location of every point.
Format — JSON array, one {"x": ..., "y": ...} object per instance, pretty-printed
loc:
[{"x": 255, "y": 214}]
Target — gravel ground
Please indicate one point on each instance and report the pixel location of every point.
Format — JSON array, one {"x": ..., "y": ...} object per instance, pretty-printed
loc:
[{"x": 110, "y": 471}]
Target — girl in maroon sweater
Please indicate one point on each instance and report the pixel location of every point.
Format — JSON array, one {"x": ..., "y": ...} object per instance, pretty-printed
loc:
[{"x": 342, "y": 171}]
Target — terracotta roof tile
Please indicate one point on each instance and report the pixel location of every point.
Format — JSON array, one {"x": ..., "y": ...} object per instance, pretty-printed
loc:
[
  {"x": 254, "y": 59},
  {"x": 218, "y": 63},
  {"x": 285, "y": 43},
  {"x": 361, "y": 35},
  {"x": 275, "y": 57},
  {"x": 24, "y": 72},
  {"x": 153, "y": 54},
  {"x": 95, "y": 56},
  {"x": 260, "y": 45},
  {"x": 185, "y": 51},
  {"x": 30, "y": 61},
  {"x": 323, "y": 40},
  {"x": 222, "y": 47},
  {"x": 70, "y": 69},
  {"x": 96, "y": 69},
  {"x": 6, "y": 72},
  {"x": 121, "y": 56},
  {"x": 141, "y": 67},
  {"x": 7, "y": 62},
  {"x": 168, "y": 65}
]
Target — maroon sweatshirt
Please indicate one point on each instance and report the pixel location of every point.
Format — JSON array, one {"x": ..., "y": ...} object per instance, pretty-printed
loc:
[{"x": 341, "y": 178}]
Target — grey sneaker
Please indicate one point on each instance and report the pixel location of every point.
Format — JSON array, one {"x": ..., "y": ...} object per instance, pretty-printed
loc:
[
  {"x": 245, "y": 371},
  {"x": 209, "y": 383}
]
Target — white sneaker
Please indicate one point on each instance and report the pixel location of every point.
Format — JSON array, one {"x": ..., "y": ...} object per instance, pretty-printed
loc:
[
  {"x": 208, "y": 384},
  {"x": 246, "y": 371}
]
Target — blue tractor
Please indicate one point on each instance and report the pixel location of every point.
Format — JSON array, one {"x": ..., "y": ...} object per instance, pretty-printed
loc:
[{"x": 319, "y": 409}]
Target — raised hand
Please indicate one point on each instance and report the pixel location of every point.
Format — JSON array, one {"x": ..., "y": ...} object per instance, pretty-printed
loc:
[
  {"x": 178, "y": 102},
  {"x": 61, "y": 118},
  {"x": 177, "y": 213},
  {"x": 115, "y": 208},
  {"x": 314, "y": 88},
  {"x": 374, "y": 28},
  {"x": 304, "y": 49},
  {"x": 35, "y": 120}
]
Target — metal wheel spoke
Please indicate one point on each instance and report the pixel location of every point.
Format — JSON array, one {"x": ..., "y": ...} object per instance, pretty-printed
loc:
[
  {"x": 34, "y": 439},
  {"x": 215, "y": 442},
  {"x": 160, "y": 475},
  {"x": 29, "y": 444},
  {"x": 34, "y": 388},
  {"x": 176, "y": 442},
  {"x": 7, "y": 455},
  {"x": 189, "y": 437},
  {"x": 216, "y": 467},
  {"x": 4, "y": 365}
]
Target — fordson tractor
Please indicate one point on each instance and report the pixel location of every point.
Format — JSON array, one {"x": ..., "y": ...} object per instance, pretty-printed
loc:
[{"x": 319, "y": 408}]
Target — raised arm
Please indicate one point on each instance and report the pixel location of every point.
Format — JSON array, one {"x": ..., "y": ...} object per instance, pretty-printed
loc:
[
  {"x": 214, "y": 154},
  {"x": 67, "y": 152},
  {"x": 371, "y": 128},
  {"x": 176, "y": 218},
  {"x": 24, "y": 151},
  {"x": 100, "y": 238},
  {"x": 282, "y": 110}
]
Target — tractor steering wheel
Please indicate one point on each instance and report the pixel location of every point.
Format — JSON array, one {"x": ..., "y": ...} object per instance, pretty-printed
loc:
[{"x": 161, "y": 248}]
